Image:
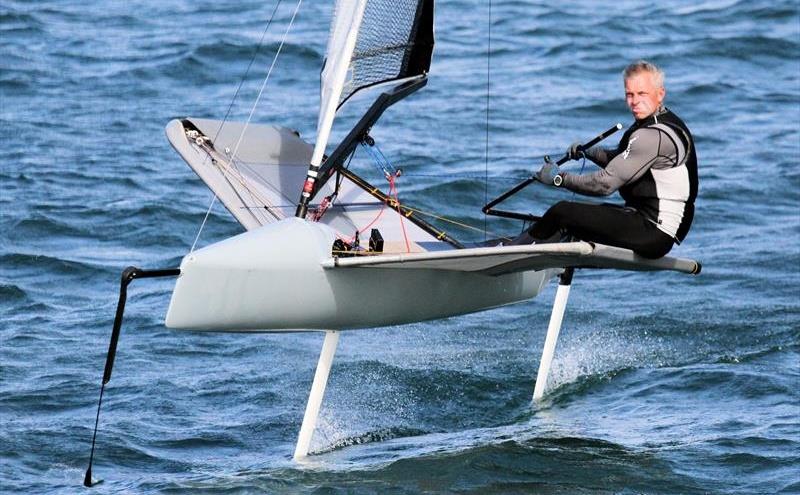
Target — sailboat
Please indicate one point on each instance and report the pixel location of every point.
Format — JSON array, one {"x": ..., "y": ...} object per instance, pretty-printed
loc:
[{"x": 343, "y": 255}]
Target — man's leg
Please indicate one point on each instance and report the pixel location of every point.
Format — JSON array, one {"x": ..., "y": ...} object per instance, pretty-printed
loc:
[{"x": 606, "y": 224}]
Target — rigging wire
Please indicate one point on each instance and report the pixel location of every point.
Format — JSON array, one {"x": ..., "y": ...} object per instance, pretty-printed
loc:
[
  {"x": 379, "y": 159},
  {"x": 203, "y": 224},
  {"x": 249, "y": 66},
  {"x": 393, "y": 187},
  {"x": 450, "y": 220},
  {"x": 481, "y": 177},
  {"x": 351, "y": 239},
  {"x": 390, "y": 201},
  {"x": 391, "y": 173},
  {"x": 329, "y": 201},
  {"x": 261, "y": 92},
  {"x": 228, "y": 113},
  {"x": 266, "y": 79},
  {"x": 255, "y": 104},
  {"x": 488, "y": 93}
]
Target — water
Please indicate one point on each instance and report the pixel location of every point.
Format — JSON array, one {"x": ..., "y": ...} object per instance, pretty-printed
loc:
[{"x": 662, "y": 383}]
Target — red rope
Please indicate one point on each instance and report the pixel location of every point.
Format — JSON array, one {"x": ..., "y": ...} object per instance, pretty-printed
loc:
[
  {"x": 393, "y": 188},
  {"x": 361, "y": 231},
  {"x": 393, "y": 194}
]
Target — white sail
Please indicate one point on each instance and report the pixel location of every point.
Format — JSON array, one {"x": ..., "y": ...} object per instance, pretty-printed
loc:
[
  {"x": 371, "y": 42},
  {"x": 345, "y": 26}
]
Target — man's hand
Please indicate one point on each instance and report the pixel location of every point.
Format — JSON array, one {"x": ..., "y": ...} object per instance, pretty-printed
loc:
[
  {"x": 547, "y": 174},
  {"x": 575, "y": 151}
]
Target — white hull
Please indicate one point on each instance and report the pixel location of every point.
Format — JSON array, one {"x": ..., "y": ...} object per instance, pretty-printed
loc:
[{"x": 274, "y": 278}]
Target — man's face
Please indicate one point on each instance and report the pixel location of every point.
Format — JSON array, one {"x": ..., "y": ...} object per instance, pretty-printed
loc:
[{"x": 642, "y": 95}]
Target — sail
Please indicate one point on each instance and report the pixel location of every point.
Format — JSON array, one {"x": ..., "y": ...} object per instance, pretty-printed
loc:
[{"x": 371, "y": 42}]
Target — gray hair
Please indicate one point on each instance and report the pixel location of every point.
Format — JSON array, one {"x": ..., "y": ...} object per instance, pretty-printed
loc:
[{"x": 645, "y": 66}]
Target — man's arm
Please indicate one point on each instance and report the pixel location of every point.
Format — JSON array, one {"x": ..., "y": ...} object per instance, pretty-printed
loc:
[
  {"x": 625, "y": 167},
  {"x": 600, "y": 156}
]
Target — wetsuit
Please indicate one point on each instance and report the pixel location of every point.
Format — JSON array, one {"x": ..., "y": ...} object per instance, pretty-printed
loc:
[{"x": 654, "y": 168}]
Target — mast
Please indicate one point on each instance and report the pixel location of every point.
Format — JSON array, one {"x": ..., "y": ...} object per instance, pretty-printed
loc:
[
  {"x": 371, "y": 42},
  {"x": 347, "y": 17}
]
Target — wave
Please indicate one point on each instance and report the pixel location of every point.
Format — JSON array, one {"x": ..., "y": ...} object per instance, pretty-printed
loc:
[
  {"x": 19, "y": 24},
  {"x": 380, "y": 435},
  {"x": 600, "y": 107},
  {"x": 210, "y": 439},
  {"x": 40, "y": 225},
  {"x": 707, "y": 89},
  {"x": 707, "y": 6},
  {"x": 457, "y": 191},
  {"x": 729, "y": 11},
  {"x": 17, "y": 82},
  {"x": 44, "y": 264},
  {"x": 223, "y": 61},
  {"x": 539, "y": 465},
  {"x": 759, "y": 49},
  {"x": 224, "y": 51},
  {"x": 10, "y": 293}
]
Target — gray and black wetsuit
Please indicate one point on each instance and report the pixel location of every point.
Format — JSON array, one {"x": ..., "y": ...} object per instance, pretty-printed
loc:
[{"x": 654, "y": 168}]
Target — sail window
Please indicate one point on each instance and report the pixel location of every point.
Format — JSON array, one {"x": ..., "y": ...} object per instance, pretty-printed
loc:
[{"x": 395, "y": 41}]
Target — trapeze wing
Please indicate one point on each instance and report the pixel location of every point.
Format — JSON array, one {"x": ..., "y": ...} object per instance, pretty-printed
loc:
[
  {"x": 502, "y": 260},
  {"x": 257, "y": 171}
]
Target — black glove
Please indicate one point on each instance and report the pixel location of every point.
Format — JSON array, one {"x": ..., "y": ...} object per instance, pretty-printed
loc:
[{"x": 575, "y": 151}]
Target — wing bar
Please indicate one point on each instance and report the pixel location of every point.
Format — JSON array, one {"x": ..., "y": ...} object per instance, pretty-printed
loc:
[{"x": 508, "y": 259}]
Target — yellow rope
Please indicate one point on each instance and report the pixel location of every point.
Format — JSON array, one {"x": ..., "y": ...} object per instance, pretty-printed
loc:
[
  {"x": 229, "y": 170},
  {"x": 455, "y": 222}
]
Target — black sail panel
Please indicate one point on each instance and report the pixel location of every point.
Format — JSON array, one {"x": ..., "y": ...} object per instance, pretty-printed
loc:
[{"x": 395, "y": 41}]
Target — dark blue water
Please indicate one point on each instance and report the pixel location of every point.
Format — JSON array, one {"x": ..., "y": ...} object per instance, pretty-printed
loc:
[{"x": 662, "y": 383}]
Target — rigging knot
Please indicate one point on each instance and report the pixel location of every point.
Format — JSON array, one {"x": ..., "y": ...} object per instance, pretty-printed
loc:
[
  {"x": 392, "y": 176},
  {"x": 319, "y": 211},
  {"x": 197, "y": 137}
]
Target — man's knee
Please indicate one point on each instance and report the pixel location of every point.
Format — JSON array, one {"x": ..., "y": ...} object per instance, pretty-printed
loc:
[
  {"x": 561, "y": 209},
  {"x": 655, "y": 248}
]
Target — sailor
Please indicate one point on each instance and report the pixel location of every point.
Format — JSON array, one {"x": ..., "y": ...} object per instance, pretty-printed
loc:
[{"x": 654, "y": 168}]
